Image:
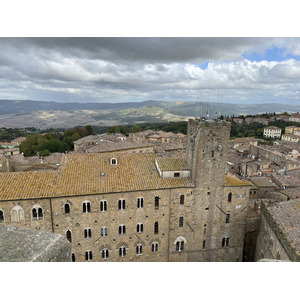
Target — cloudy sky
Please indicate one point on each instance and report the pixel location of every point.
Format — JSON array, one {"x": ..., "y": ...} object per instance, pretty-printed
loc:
[{"x": 243, "y": 70}]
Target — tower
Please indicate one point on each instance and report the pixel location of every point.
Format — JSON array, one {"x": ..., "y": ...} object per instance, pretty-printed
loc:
[{"x": 206, "y": 154}]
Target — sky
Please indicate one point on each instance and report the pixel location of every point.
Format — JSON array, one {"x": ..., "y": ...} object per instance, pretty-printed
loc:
[
  {"x": 170, "y": 50},
  {"x": 122, "y": 69}
]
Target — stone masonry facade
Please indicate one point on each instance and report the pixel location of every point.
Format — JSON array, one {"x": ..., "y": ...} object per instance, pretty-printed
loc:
[{"x": 108, "y": 217}]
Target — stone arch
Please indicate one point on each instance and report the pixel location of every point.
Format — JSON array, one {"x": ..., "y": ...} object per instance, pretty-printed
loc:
[{"x": 17, "y": 214}]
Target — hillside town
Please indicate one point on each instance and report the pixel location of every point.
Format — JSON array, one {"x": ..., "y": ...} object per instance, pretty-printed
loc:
[{"x": 270, "y": 171}]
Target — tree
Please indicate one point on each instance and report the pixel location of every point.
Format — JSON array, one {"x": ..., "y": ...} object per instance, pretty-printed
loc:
[
  {"x": 52, "y": 146},
  {"x": 33, "y": 141}
]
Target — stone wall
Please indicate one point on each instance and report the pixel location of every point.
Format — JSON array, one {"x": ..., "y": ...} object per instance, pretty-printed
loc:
[
  {"x": 18, "y": 244},
  {"x": 272, "y": 241}
]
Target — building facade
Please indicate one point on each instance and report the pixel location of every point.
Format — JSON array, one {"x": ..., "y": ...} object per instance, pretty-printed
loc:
[
  {"x": 119, "y": 207},
  {"x": 273, "y": 132}
]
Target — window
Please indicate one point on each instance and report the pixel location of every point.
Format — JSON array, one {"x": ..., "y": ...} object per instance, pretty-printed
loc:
[
  {"x": 67, "y": 208},
  {"x": 103, "y": 205},
  {"x": 212, "y": 153},
  {"x": 88, "y": 255},
  {"x": 179, "y": 246},
  {"x": 1, "y": 216},
  {"x": 86, "y": 207},
  {"x": 203, "y": 244},
  {"x": 156, "y": 202},
  {"x": 156, "y": 228},
  {"x": 17, "y": 214},
  {"x": 104, "y": 253},
  {"x": 113, "y": 161},
  {"x": 139, "y": 249},
  {"x": 87, "y": 233},
  {"x": 154, "y": 247},
  {"x": 122, "y": 229},
  {"x": 73, "y": 257},
  {"x": 140, "y": 202},
  {"x": 103, "y": 231},
  {"x": 181, "y": 222},
  {"x": 204, "y": 229},
  {"x": 122, "y": 251},
  {"x": 229, "y": 197},
  {"x": 37, "y": 213},
  {"x": 121, "y": 204},
  {"x": 182, "y": 200},
  {"x": 139, "y": 227},
  {"x": 227, "y": 218},
  {"x": 225, "y": 241},
  {"x": 69, "y": 236},
  {"x": 177, "y": 174}
]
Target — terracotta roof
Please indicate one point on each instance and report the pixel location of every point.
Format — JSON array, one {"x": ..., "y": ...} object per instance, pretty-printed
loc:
[
  {"x": 171, "y": 164},
  {"x": 288, "y": 216},
  {"x": 106, "y": 146},
  {"x": 80, "y": 174},
  {"x": 231, "y": 180}
]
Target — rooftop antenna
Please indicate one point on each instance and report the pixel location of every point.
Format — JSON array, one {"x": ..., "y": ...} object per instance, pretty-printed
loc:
[{"x": 207, "y": 114}]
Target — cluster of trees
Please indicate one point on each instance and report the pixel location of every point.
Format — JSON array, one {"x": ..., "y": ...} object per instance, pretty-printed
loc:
[
  {"x": 44, "y": 145},
  {"x": 9, "y": 134},
  {"x": 175, "y": 127}
]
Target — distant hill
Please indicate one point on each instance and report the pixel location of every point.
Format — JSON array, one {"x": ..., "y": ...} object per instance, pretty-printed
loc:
[{"x": 41, "y": 114}]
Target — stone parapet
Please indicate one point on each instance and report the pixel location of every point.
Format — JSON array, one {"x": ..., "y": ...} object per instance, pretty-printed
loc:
[
  {"x": 19, "y": 244},
  {"x": 281, "y": 234}
]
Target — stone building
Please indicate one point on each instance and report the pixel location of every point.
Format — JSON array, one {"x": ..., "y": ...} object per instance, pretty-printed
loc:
[
  {"x": 136, "y": 207},
  {"x": 279, "y": 231}
]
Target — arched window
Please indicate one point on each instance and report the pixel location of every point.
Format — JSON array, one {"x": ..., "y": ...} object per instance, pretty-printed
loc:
[
  {"x": 1, "y": 216},
  {"x": 103, "y": 231},
  {"x": 139, "y": 249},
  {"x": 88, "y": 255},
  {"x": 139, "y": 227},
  {"x": 122, "y": 251},
  {"x": 203, "y": 244},
  {"x": 69, "y": 236},
  {"x": 86, "y": 207},
  {"x": 154, "y": 247},
  {"x": 179, "y": 246},
  {"x": 229, "y": 197},
  {"x": 181, "y": 222},
  {"x": 156, "y": 202},
  {"x": 73, "y": 257},
  {"x": 37, "y": 213},
  {"x": 104, "y": 253},
  {"x": 182, "y": 200},
  {"x": 179, "y": 243},
  {"x": 67, "y": 208},
  {"x": 122, "y": 204},
  {"x": 103, "y": 205},
  {"x": 17, "y": 214},
  {"x": 204, "y": 229},
  {"x": 227, "y": 218},
  {"x": 156, "y": 228},
  {"x": 225, "y": 241},
  {"x": 87, "y": 233},
  {"x": 122, "y": 229},
  {"x": 140, "y": 202}
]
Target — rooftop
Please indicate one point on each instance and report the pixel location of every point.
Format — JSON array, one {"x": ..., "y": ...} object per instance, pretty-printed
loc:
[
  {"x": 231, "y": 180},
  {"x": 262, "y": 182},
  {"x": 288, "y": 216},
  {"x": 171, "y": 164},
  {"x": 80, "y": 174}
]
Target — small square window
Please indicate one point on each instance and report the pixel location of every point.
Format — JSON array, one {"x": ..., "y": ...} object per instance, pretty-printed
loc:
[{"x": 177, "y": 174}]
